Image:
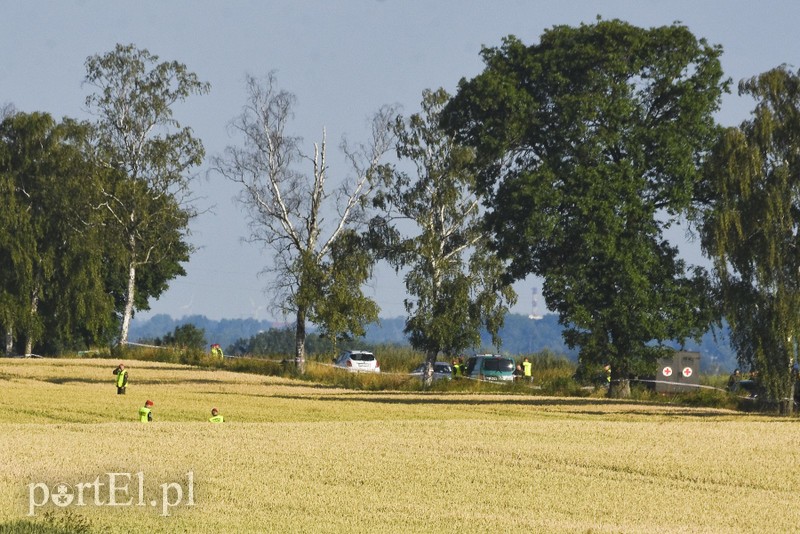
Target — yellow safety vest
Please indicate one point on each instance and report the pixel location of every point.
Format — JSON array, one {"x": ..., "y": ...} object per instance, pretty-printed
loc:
[
  {"x": 217, "y": 419},
  {"x": 122, "y": 378},
  {"x": 527, "y": 366},
  {"x": 144, "y": 414}
]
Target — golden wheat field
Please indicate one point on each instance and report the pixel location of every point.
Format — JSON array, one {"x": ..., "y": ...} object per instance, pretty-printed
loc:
[{"x": 295, "y": 457}]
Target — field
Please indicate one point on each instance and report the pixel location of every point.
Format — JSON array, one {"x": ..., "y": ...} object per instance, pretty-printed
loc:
[{"x": 301, "y": 457}]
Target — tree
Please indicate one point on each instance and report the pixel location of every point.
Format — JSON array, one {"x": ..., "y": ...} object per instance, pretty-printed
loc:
[
  {"x": 52, "y": 290},
  {"x": 187, "y": 336},
  {"x": 318, "y": 266},
  {"x": 454, "y": 280},
  {"x": 750, "y": 220},
  {"x": 7, "y": 110},
  {"x": 588, "y": 146},
  {"x": 148, "y": 204}
]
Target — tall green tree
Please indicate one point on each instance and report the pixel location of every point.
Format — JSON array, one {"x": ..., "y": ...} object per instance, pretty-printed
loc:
[
  {"x": 588, "y": 146},
  {"x": 148, "y": 203},
  {"x": 187, "y": 336},
  {"x": 312, "y": 227},
  {"x": 750, "y": 224},
  {"x": 455, "y": 282},
  {"x": 52, "y": 290}
]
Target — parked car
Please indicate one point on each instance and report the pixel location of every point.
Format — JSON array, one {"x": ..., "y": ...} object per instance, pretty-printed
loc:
[
  {"x": 358, "y": 361},
  {"x": 441, "y": 371},
  {"x": 492, "y": 367},
  {"x": 745, "y": 387}
]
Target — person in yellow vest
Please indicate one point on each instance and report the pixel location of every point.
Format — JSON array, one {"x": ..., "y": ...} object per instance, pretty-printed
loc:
[
  {"x": 216, "y": 417},
  {"x": 216, "y": 351},
  {"x": 456, "y": 367},
  {"x": 145, "y": 412},
  {"x": 607, "y": 369},
  {"x": 527, "y": 369},
  {"x": 122, "y": 379}
]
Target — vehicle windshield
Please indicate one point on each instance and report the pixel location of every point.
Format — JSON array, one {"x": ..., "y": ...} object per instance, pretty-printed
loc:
[
  {"x": 362, "y": 356},
  {"x": 498, "y": 364}
]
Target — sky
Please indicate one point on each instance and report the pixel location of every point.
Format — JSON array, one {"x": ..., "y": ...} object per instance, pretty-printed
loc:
[{"x": 343, "y": 60}]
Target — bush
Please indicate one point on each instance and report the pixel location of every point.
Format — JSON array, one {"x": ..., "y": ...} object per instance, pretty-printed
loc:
[
  {"x": 564, "y": 386},
  {"x": 66, "y": 522}
]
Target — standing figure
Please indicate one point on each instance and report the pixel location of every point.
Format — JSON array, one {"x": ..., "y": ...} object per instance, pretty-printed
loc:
[
  {"x": 456, "y": 368},
  {"x": 734, "y": 379},
  {"x": 216, "y": 351},
  {"x": 145, "y": 412},
  {"x": 527, "y": 369},
  {"x": 518, "y": 373},
  {"x": 122, "y": 379}
]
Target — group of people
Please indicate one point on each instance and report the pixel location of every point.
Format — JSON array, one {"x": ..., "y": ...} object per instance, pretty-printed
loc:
[
  {"x": 146, "y": 414},
  {"x": 146, "y": 411}
]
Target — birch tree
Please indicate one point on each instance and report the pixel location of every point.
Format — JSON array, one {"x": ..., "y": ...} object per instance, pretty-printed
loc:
[
  {"x": 454, "y": 282},
  {"x": 751, "y": 229},
  {"x": 308, "y": 224},
  {"x": 149, "y": 205}
]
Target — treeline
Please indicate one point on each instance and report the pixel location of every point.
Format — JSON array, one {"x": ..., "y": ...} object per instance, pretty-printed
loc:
[
  {"x": 95, "y": 214},
  {"x": 567, "y": 159},
  {"x": 520, "y": 335}
]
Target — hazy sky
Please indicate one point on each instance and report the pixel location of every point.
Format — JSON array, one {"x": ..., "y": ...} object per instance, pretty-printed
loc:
[{"x": 343, "y": 60}]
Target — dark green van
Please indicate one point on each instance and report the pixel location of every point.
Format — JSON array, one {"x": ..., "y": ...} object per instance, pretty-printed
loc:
[{"x": 491, "y": 367}]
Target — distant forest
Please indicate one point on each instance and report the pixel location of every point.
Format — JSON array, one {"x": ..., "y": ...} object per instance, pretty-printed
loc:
[{"x": 520, "y": 335}]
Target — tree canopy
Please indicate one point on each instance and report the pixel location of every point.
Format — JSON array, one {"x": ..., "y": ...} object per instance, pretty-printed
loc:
[
  {"x": 311, "y": 226},
  {"x": 750, "y": 212},
  {"x": 588, "y": 146},
  {"x": 52, "y": 258},
  {"x": 148, "y": 206},
  {"x": 454, "y": 281}
]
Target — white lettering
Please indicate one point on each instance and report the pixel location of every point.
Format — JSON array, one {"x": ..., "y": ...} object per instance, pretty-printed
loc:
[
  {"x": 113, "y": 489},
  {"x": 165, "y": 504},
  {"x": 190, "y": 477},
  {"x": 97, "y": 486},
  {"x": 32, "y": 504},
  {"x": 80, "y": 486},
  {"x": 140, "y": 476},
  {"x": 120, "y": 493}
]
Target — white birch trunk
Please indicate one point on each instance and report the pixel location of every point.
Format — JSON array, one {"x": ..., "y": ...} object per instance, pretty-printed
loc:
[
  {"x": 9, "y": 340},
  {"x": 128, "y": 312},
  {"x": 34, "y": 309},
  {"x": 300, "y": 342}
]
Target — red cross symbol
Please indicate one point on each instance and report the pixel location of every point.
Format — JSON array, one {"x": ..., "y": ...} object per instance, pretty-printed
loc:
[
  {"x": 667, "y": 371},
  {"x": 687, "y": 372}
]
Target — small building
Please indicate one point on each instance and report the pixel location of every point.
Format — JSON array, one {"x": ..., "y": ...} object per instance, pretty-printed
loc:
[{"x": 678, "y": 373}]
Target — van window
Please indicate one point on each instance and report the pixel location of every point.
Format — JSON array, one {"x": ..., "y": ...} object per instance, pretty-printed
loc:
[
  {"x": 498, "y": 364},
  {"x": 470, "y": 366},
  {"x": 362, "y": 356}
]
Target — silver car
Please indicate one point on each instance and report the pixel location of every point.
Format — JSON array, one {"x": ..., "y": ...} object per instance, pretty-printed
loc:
[
  {"x": 358, "y": 361},
  {"x": 441, "y": 371}
]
